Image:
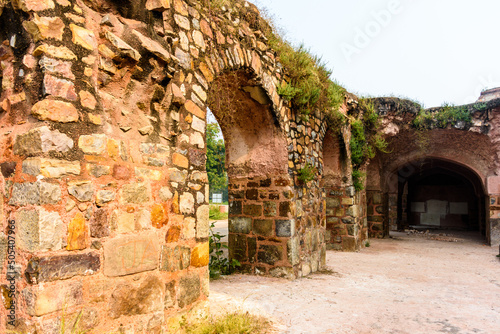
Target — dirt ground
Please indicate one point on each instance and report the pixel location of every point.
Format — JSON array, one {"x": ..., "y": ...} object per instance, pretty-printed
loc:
[{"x": 405, "y": 284}]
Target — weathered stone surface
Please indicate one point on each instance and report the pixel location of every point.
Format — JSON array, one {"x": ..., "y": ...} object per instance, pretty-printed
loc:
[
  {"x": 104, "y": 196},
  {"x": 44, "y": 299},
  {"x": 180, "y": 160},
  {"x": 83, "y": 37},
  {"x": 87, "y": 100},
  {"x": 8, "y": 168},
  {"x": 50, "y": 193},
  {"x": 125, "y": 49},
  {"x": 54, "y": 140},
  {"x": 270, "y": 209},
  {"x": 99, "y": 225},
  {"x": 93, "y": 144},
  {"x": 61, "y": 52},
  {"x": 200, "y": 256},
  {"x": 197, "y": 157},
  {"x": 186, "y": 203},
  {"x": 202, "y": 221},
  {"x": 81, "y": 190},
  {"x": 176, "y": 175},
  {"x": 98, "y": 170},
  {"x": 285, "y": 228},
  {"x": 59, "y": 87},
  {"x": 123, "y": 221},
  {"x": 173, "y": 234},
  {"x": 198, "y": 124},
  {"x": 45, "y": 27},
  {"x": 135, "y": 193},
  {"x": 51, "y": 268},
  {"x": 263, "y": 227},
  {"x": 253, "y": 210},
  {"x": 147, "y": 173},
  {"x": 127, "y": 300},
  {"x": 57, "y": 168},
  {"x": 25, "y": 193},
  {"x": 293, "y": 251},
  {"x": 159, "y": 5},
  {"x": 50, "y": 232},
  {"x": 175, "y": 258},
  {"x": 57, "y": 67},
  {"x": 3, "y": 249},
  {"x": 56, "y": 111},
  {"x": 165, "y": 194},
  {"x": 121, "y": 172},
  {"x": 269, "y": 254},
  {"x": 158, "y": 216},
  {"x": 35, "y": 5},
  {"x": 152, "y": 46},
  {"x": 182, "y": 22},
  {"x": 189, "y": 289},
  {"x": 240, "y": 225},
  {"x": 77, "y": 233},
  {"x": 131, "y": 254}
]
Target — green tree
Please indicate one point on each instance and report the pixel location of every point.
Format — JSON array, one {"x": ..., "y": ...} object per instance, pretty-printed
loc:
[{"x": 216, "y": 160}]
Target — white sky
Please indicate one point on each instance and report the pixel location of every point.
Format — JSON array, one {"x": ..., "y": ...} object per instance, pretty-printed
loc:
[{"x": 432, "y": 51}]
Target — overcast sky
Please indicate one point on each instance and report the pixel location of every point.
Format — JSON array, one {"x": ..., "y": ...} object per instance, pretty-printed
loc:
[{"x": 432, "y": 51}]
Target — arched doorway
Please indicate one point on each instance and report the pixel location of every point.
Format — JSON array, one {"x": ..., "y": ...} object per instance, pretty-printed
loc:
[{"x": 438, "y": 194}]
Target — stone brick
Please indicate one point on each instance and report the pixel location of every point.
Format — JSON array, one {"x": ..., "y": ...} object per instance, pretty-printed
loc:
[
  {"x": 35, "y": 5},
  {"x": 77, "y": 233},
  {"x": 45, "y": 27},
  {"x": 285, "y": 209},
  {"x": 270, "y": 209},
  {"x": 87, "y": 100},
  {"x": 57, "y": 168},
  {"x": 238, "y": 247},
  {"x": 349, "y": 244},
  {"x": 252, "y": 249},
  {"x": 377, "y": 198},
  {"x": 104, "y": 196},
  {"x": 99, "y": 225},
  {"x": 152, "y": 46},
  {"x": 81, "y": 190},
  {"x": 269, "y": 254},
  {"x": 93, "y": 144},
  {"x": 252, "y": 194},
  {"x": 51, "y": 268},
  {"x": 182, "y": 22},
  {"x": 98, "y": 170},
  {"x": 147, "y": 173},
  {"x": 44, "y": 299},
  {"x": 189, "y": 289},
  {"x": 180, "y": 160},
  {"x": 253, "y": 210},
  {"x": 123, "y": 221},
  {"x": 186, "y": 203},
  {"x": 170, "y": 295},
  {"x": 137, "y": 193},
  {"x": 159, "y": 5},
  {"x": 130, "y": 254},
  {"x": 59, "y": 87},
  {"x": 176, "y": 175},
  {"x": 56, "y": 111},
  {"x": 83, "y": 37},
  {"x": 293, "y": 251},
  {"x": 25, "y": 193},
  {"x": 194, "y": 109},
  {"x": 61, "y": 52},
  {"x": 240, "y": 225},
  {"x": 57, "y": 67},
  {"x": 27, "y": 236},
  {"x": 200, "y": 255},
  {"x": 285, "y": 228},
  {"x": 263, "y": 227},
  {"x": 175, "y": 258},
  {"x": 128, "y": 300},
  {"x": 173, "y": 234},
  {"x": 121, "y": 172},
  {"x": 198, "y": 124},
  {"x": 165, "y": 194},
  {"x": 8, "y": 168},
  {"x": 158, "y": 216},
  {"x": 197, "y": 157},
  {"x": 3, "y": 249},
  {"x": 202, "y": 221},
  {"x": 126, "y": 51}
]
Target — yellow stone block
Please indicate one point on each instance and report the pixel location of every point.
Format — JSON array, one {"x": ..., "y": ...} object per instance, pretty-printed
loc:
[
  {"x": 200, "y": 255},
  {"x": 180, "y": 160},
  {"x": 77, "y": 233}
]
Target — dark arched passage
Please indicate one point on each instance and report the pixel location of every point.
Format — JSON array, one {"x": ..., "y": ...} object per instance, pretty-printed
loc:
[{"x": 435, "y": 193}]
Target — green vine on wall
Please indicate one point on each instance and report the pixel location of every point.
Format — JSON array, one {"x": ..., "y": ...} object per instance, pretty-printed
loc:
[{"x": 447, "y": 115}]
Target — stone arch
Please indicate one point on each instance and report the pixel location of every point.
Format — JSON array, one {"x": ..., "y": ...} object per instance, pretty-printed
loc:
[{"x": 257, "y": 165}]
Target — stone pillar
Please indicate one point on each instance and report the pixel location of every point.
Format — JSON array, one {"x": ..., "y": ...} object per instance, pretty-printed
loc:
[{"x": 376, "y": 213}]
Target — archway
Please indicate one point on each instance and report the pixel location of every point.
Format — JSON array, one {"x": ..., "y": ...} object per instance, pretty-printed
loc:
[
  {"x": 260, "y": 221},
  {"x": 438, "y": 194}
]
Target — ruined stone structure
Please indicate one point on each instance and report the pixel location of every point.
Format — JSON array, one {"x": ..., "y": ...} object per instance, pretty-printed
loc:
[{"x": 105, "y": 195}]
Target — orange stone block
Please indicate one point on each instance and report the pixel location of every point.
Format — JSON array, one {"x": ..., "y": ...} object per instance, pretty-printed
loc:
[
  {"x": 180, "y": 160},
  {"x": 77, "y": 233},
  {"x": 194, "y": 109},
  {"x": 173, "y": 234},
  {"x": 113, "y": 149},
  {"x": 200, "y": 255},
  {"x": 158, "y": 217},
  {"x": 175, "y": 203}
]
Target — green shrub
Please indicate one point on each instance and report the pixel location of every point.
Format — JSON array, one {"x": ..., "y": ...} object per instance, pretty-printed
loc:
[
  {"x": 215, "y": 214},
  {"x": 219, "y": 264},
  {"x": 306, "y": 173},
  {"x": 231, "y": 323}
]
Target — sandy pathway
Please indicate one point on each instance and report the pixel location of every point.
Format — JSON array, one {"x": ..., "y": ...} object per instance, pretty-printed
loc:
[{"x": 407, "y": 284}]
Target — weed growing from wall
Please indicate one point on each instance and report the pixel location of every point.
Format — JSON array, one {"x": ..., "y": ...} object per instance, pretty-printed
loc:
[
  {"x": 306, "y": 173},
  {"x": 446, "y": 115}
]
